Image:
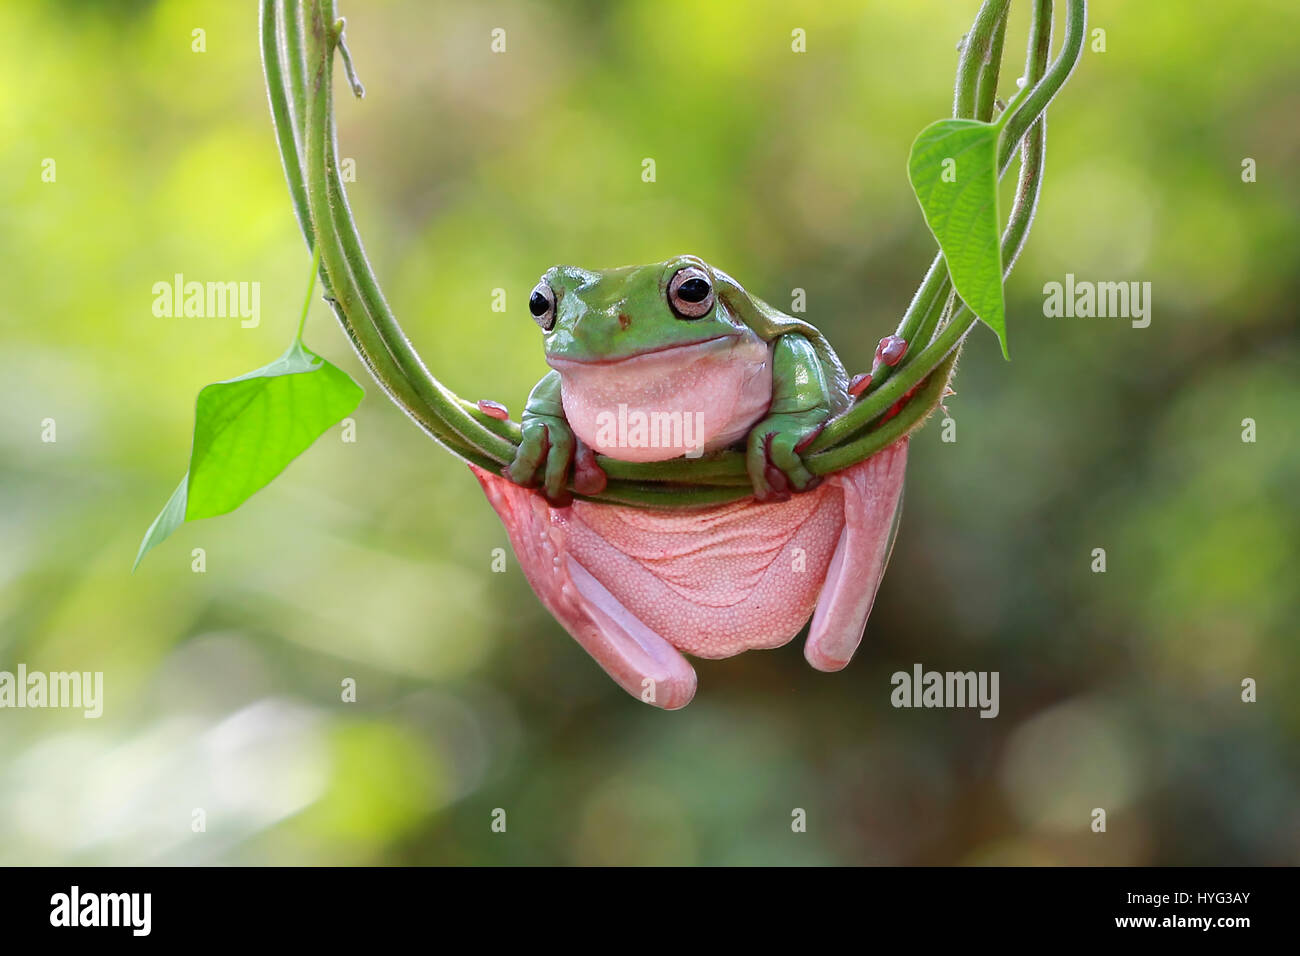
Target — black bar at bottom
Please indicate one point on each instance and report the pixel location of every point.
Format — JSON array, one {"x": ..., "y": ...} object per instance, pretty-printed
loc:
[{"x": 638, "y": 907}]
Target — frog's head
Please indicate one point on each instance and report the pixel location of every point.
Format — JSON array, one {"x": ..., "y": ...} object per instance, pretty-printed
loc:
[
  {"x": 655, "y": 361},
  {"x": 619, "y": 314}
]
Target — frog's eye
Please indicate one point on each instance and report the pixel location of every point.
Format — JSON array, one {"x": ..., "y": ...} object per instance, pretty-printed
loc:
[
  {"x": 690, "y": 293},
  {"x": 542, "y": 305}
]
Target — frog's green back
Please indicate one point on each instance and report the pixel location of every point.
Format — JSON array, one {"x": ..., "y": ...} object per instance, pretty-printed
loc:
[{"x": 771, "y": 323}]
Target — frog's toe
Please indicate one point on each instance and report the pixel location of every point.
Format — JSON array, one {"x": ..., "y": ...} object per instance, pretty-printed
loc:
[
  {"x": 775, "y": 468},
  {"x": 556, "y": 476},
  {"x": 781, "y": 453},
  {"x": 872, "y": 505},
  {"x": 531, "y": 454},
  {"x": 588, "y": 477}
]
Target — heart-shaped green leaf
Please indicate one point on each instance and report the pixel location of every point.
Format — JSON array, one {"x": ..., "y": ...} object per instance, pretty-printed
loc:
[
  {"x": 168, "y": 520},
  {"x": 248, "y": 429},
  {"x": 953, "y": 169}
]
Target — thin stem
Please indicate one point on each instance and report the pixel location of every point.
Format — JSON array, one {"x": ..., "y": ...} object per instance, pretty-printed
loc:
[
  {"x": 1036, "y": 103},
  {"x": 987, "y": 84},
  {"x": 292, "y": 50},
  {"x": 285, "y": 132},
  {"x": 937, "y": 318},
  {"x": 311, "y": 287},
  {"x": 354, "y": 81},
  {"x": 920, "y": 314},
  {"x": 1021, "y": 95},
  {"x": 1033, "y": 152},
  {"x": 720, "y": 469},
  {"x": 976, "y": 55}
]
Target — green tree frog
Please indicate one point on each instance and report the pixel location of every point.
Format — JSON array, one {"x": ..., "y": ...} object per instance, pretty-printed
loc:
[{"x": 675, "y": 359}]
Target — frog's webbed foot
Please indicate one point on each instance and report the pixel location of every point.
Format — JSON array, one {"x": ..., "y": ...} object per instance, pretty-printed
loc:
[
  {"x": 546, "y": 450},
  {"x": 873, "y": 504},
  {"x": 772, "y": 454},
  {"x": 639, "y": 660}
]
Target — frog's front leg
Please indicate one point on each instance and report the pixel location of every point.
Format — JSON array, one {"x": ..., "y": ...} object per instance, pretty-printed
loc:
[
  {"x": 548, "y": 447},
  {"x": 800, "y": 405}
]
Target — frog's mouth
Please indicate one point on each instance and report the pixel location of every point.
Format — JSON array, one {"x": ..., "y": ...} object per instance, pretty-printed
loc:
[
  {"x": 680, "y": 353},
  {"x": 662, "y": 403}
]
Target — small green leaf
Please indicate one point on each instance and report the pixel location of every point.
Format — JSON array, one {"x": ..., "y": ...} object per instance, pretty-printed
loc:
[
  {"x": 248, "y": 429},
  {"x": 168, "y": 520},
  {"x": 953, "y": 169}
]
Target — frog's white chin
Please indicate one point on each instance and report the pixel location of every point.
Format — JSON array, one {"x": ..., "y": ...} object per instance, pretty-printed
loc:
[{"x": 669, "y": 403}]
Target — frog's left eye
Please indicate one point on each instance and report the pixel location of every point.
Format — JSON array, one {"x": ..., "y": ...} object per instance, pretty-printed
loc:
[
  {"x": 690, "y": 293},
  {"x": 542, "y": 306}
]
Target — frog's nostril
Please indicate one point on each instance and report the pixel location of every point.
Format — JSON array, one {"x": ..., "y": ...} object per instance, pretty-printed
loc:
[{"x": 624, "y": 320}]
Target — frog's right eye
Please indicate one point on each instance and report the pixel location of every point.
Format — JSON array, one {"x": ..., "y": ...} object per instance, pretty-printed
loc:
[
  {"x": 690, "y": 293},
  {"x": 542, "y": 306}
]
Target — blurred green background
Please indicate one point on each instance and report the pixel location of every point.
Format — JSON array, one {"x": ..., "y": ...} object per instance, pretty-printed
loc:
[{"x": 477, "y": 171}]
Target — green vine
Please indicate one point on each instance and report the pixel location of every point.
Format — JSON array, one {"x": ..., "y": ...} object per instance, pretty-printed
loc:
[
  {"x": 246, "y": 430},
  {"x": 307, "y": 33}
]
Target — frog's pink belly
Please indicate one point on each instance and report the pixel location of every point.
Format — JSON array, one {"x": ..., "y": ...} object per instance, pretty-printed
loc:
[
  {"x": 638, "y": 588},
  {"x": 717, "y": 582}
]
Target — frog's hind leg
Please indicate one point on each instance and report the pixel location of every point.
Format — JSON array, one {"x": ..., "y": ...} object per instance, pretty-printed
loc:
[
  {"x": 873, "y": 503},
  {"x": 643, "y": 663},
  {"x": 640, "y": 660}
]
